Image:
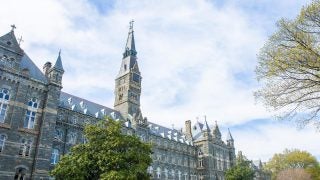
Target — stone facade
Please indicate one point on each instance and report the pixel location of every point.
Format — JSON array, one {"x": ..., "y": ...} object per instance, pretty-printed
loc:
[{"x": 39, "y": 122}]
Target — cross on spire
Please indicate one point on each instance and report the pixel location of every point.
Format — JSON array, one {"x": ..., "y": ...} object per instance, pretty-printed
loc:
[
  {"x": 20, "y": 40},
  {"x": 13, "y": 27}
]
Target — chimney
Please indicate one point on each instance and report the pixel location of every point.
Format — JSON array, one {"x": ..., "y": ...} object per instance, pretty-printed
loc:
[
  {"x": 188, "y": 129},
  {"x": 46, "y": 68}
]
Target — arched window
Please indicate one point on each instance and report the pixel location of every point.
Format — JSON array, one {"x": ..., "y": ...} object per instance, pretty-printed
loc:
[
  {"x": 25, "y": 147},
  {"x": 172, "y": 173},
  {"x": 150, "y": 171},
  {"x": 158, "y": 172},
  {"x": 4, "y": 100},
  {"x": 179, "y": 175},
  {"x": 2, "y": 141},
  {"x": 55, "y": 156},
  {"x": 72, "y": 138},
  {"x": 166, "y": 173},
  {"x": 31, "y": 114},
  {"x": 20, "y": 174},
  {"x": 58, "y": 134}
]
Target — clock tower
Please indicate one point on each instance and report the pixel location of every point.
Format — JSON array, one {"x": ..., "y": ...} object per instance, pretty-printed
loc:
[{"x": 128, "y": 82}]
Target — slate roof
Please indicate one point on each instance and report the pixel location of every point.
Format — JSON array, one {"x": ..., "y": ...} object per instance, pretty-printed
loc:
[
  {"x": 84, "y": 106},
  {"x": 34, "y": 71},
  {"x": 168, "y": 133}
]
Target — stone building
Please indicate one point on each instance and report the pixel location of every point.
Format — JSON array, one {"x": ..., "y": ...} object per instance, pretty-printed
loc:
[{"x": 39, "y": 122}]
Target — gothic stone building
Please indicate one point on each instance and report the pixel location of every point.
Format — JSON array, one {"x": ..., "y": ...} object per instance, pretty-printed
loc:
[{"x": 39, "y": 122}]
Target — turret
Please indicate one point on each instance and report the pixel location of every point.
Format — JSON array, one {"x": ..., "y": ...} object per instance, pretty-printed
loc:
[
  {"x": 216, "y": 132},
  {"x": 206, "y": 130},
  {"x": 55, "y": 73},
  {"x": 230, "y": 141}
]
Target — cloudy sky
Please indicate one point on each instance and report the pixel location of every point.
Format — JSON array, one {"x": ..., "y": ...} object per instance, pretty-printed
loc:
[{"x": 197, "y": 59}]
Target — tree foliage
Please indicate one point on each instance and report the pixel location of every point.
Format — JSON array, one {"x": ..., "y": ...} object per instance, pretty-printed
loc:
[
  {"x": 294, "y": 174},
  {"x": 108, "y": 154},
  {"x": 289, "y": 67},
  {"x": 293, "y": 160},
  {"x": 241, "y": 171}
]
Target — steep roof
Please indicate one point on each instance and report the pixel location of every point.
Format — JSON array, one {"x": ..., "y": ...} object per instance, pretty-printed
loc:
[{"x": 34, "y": 71}]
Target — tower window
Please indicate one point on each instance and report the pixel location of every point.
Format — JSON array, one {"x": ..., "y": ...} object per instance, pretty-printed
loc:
[
  {"x": 136, "y": 77},
  {"x": 125, "y": 67}
]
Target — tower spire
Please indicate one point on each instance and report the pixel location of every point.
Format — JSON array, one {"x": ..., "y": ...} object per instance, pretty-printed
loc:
[{"x": 130, "y": 49}]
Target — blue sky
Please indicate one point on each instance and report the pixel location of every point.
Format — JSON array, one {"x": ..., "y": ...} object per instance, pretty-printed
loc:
[{"x": 196, "y": 57}]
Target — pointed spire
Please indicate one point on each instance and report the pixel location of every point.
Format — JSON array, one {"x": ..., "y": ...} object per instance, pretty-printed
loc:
[
  {"x": 216, "y": 132},
  {"x": 206, "y": 126},
  {"x": 229, "y": 136},
  {"x": 58, "y": 64},
  {"x": 130, "y": 49}
]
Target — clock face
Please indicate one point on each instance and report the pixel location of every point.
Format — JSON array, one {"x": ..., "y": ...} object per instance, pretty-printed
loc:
[{"x": 135, "y": 77}]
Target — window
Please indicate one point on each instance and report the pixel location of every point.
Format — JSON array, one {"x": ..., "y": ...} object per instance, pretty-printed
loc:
[
  {"x": 20, "y": 174},
  {"x": 55, "y": 156},
  {"x": 25, "y": 147},
  {"x": 31, "y": 114},
  {"x": 2, "y": 141},
  {"x": 4, "y": 99},
  {"x": 58, "y": 134},
  {"x": 136, "y": 77},
  {"x": 166, "y": 173},
  {"x": 158, "y": 172},
  {"x": 72, "y": 138}
]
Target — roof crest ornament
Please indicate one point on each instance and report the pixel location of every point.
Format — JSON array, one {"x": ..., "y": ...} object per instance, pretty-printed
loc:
[{"x": 13, "y": 27}]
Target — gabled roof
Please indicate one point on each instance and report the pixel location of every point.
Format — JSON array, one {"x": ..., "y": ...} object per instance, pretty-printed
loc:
[
  {"x": 84, "y": 106},
  {"x": 34, "y": 71},
  {"x": 10, "y": 42}
]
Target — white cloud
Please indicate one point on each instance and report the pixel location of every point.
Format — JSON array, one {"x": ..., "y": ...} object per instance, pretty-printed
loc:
[
  {"x": 196, "y": 58},
  {"x": 267, "y": 139}
]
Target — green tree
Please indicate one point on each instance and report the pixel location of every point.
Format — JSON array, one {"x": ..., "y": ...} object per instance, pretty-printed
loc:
[
  {"x": 289, "y": 67},
  {"x": 108, "y": 154},
  {"x": 293, "y": 159},
  {"x": 241, "y": 171}
]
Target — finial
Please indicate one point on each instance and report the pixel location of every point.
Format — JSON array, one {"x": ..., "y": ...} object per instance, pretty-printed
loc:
[
  {"x": 131, "y": 24},
  {"x": 13, "y": 27},
  {"x": 197, "y": 118},
  {"x": 59, "y": 52},
  {"x": 205, "y": 117},
  {"x": 216, "y": 122},
  {"x": 20, "y": 40}
]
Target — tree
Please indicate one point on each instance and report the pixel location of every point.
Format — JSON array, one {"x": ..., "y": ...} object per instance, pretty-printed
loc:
[
  {"x": 294, "y": 174},
  {"x": 292, "y": 161},
  {"x": 108, "y": 154},
  {"x": 289, "y": 67},
  {"x": 241, "y": 171}
]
